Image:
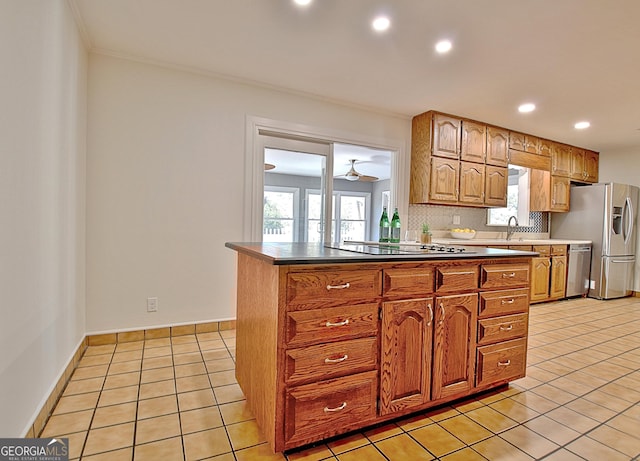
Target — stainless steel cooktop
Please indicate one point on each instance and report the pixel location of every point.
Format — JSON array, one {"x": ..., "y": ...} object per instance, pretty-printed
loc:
[{"x": 399, "y": 248}]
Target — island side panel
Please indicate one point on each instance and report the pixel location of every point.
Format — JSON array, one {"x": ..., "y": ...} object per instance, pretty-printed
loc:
[{"x": 257, "y": 342}]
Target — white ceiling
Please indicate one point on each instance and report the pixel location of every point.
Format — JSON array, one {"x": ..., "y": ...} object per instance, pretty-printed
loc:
[{"x": 575, "y": 59}]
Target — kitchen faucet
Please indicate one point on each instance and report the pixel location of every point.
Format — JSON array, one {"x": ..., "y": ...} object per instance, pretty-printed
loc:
[{"x": 511, "y": 229}]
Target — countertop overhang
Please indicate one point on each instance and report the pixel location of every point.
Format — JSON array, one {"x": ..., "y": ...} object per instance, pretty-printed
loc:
[{"x": 316, "y": 253}]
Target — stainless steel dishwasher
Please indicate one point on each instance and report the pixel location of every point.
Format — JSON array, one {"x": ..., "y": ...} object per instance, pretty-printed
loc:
[{"x": 579, "y": 269}]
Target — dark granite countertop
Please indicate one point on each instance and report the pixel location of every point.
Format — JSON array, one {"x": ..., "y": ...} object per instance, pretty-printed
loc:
[{"x": 315, "y": 253}]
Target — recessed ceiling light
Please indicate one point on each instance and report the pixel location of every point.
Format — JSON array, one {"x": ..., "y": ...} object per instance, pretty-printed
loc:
[
  {"x": 302, "y": 2},
  {"x": 527, "y": 107},
  {"x": 443, "y": 46},
  {"x": 582, "y": 125},
  {"x": 381, "y": 23}
]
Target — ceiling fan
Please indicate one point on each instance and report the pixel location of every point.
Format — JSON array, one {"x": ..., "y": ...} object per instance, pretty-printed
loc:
[{"x": 353, "y": 175}]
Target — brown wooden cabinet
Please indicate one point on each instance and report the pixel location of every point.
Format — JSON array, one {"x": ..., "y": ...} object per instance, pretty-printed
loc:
[
  {"x": 329, "y": 348},
  {"x": 584, "y": 165},
  {"x": 560, "y": 193},
  {"x": 405, "y": 365},
  {"x": 454, "y": 344},
  {"x": 474, "y": 142},
  {"x": 545, "y": 147},
  {"x": 561, "y": 160},
  {"x": 524, "y": 142},
  {"x": 549, "y": 192},
  {"x": 540, "y": 276},
  {"x": 445, "y": 175},
  {"x": 495, "y": 186},
  {"x": 549, "y": 273},
  {"x": 446, "y": 136},
  {"x": 497, "y": 146},
  {"x": 472, "y": 177}
]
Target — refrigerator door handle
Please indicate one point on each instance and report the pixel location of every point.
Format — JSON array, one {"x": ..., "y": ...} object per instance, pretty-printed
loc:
[
  {"x": 628, "y": 220},
  {"x": 624, "y": 261}
]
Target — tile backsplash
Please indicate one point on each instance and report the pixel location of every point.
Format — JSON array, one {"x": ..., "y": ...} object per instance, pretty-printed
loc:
[{"x": 440, "y": 218}]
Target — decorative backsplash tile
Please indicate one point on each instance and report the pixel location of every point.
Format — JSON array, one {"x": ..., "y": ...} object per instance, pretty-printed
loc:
[{"x": 440, "y": 217}]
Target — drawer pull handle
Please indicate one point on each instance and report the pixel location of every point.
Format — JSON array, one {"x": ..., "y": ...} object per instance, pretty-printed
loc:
[
  {"x": 506, "y": 328},
  {"x": 338, "y": 324},
  {"x": 508, "y": 276},
  {"x": 430, "y": 315},
  {"x": 504, "y": 364},
  {"x": 461, "y": 273},
  {"x": 442, "y": 314},
  {"x": 510, "y": 301},
  {"x": 338, "y": 287},
  {"x": 331, "y": 410},
  {"x": 338, "y": 360}
]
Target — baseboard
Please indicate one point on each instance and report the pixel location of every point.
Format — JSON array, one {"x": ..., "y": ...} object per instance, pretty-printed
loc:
[{"x": 42, "y": 415}]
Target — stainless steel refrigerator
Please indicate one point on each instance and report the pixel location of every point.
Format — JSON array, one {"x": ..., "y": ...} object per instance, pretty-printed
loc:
[{"x": 604, "y": 213}]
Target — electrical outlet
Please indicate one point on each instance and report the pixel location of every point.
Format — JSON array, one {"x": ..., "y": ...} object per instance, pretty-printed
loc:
[
  {"x": 456, "y": 219},
  {"x": 152, "y": 304}
]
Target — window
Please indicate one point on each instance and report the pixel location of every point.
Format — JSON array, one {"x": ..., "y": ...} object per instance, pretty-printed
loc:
[
  {"x": 352, "y": 210},
  {"x": 280, "y": 214},
  {"x": 517, "y": 199}
]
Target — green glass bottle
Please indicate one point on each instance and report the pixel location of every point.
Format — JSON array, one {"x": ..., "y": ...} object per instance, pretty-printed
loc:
[
  {"x": 384, "y": 226},
  {"x": 395, "y": 227}
]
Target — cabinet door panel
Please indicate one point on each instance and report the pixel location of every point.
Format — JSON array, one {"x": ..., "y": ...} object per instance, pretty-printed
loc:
[
  {"x": 591, "y": 166},
  {"x": 495, "y": 190},
  {"x": 471, "y": 183},
  {"x": 578, "y": 170},
  {"x": 446, "y": 136},
  {"x": 497, "y": 146},
  {"x": 561, "y": 160},
  {"x": 405, "y": 368},
  {"x": 454, "y": 344},
  {"x": 444, "y": 180},
  {"x": 474, "y": 142},
  {"x": 560, "y": 193},
  {"x": 540, "y": 268},
  {"x": 558, "y": 277}
]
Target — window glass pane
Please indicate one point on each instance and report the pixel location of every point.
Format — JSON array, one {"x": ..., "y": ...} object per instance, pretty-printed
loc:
[
  {"x": 278, "y": 215},
  {"x": 314, "y": 206},
  {"x": 352, "y": 207},
  {"x": 352, "y": 230}
]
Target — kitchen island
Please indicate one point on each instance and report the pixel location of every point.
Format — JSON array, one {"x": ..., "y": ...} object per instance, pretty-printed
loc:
[{"x": 330, "y": 340}]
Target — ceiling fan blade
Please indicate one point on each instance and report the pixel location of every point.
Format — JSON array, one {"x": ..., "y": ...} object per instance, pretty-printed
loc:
[
  {"x": 269, "y": 166},
  {"x": 366, "y": 178}
]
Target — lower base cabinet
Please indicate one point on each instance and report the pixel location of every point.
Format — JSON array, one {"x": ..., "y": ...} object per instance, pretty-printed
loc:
[{"x": 386, "y": 340}]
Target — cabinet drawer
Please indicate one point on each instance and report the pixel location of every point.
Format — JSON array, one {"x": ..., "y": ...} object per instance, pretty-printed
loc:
[
  {"x": 558, "y": 250},
  {"x": 319, "y": 410},
  {"x": 459, "y": 278},
  {"x": 332, "y": 288},
  {"x": 331, "y": 324},
  {"x": 407, "y": 282},
  {"x": 504, "y": 275},
  {"x": 544, "y": 250},
  {"x": 498, "y": 329},
  {"x": 503, "y": 302},
  {"x": 324, "y": 361},
  {"x": 501, "y": 362}
]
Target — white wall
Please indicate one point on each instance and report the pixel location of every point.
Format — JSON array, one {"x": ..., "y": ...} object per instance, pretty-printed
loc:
[
  {"x": 165, "y": 171},
  {"x": 42, "y": 192},
  {"x": 623, "y": 167}
]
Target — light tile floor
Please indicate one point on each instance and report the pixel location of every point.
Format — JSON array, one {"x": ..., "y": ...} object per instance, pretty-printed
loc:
[{"x": 176, "y": 399}]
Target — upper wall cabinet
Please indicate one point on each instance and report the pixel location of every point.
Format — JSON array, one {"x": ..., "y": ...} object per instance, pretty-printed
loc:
[
  {"x": 497, "y": 146},
  {"x": 471, "y": 147},
  {"x": 446, "y": 136},
  {"x": 474, "y": 142},
  {"x": 584, "y": 165},
  {"x": 561, "y": 160},
  {"x": 524, "y": 142}
]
